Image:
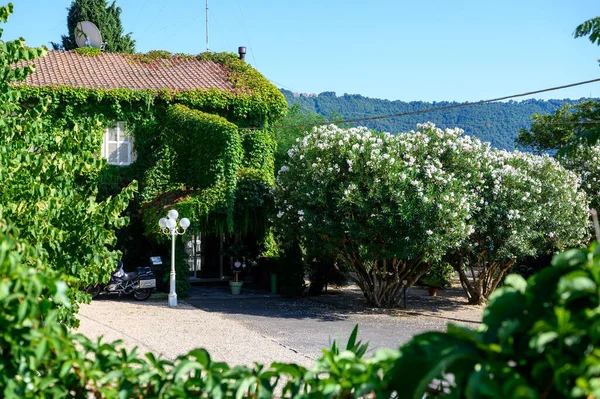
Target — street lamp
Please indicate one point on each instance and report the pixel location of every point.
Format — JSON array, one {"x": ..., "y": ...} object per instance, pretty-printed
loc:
[{"x": 168, "y": 226}]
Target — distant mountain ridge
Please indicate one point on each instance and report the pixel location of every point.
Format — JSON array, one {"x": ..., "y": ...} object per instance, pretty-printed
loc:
[{"x": 496, "y": 122}]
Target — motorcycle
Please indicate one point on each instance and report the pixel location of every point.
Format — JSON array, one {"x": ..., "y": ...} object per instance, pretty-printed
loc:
[{"x": 140, "y": 283}]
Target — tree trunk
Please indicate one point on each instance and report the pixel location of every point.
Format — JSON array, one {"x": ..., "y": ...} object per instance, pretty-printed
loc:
[
  {"x": 484, "y": 279},
  {"x": 381, "y": 282}
]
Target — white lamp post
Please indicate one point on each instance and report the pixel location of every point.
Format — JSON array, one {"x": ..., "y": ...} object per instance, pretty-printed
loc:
[{"x": 168, "y": 226}]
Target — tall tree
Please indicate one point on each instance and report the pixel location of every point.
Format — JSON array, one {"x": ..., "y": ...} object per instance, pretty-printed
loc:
[{"x": 108, "y": 20}]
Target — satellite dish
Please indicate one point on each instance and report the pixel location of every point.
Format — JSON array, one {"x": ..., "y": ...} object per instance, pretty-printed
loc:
[{"x": 88, "y": 35}]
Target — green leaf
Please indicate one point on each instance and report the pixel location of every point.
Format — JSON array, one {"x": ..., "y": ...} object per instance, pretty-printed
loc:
[
  {"x": 539, "y": 342},
  {"x": 425, "y": 357}
]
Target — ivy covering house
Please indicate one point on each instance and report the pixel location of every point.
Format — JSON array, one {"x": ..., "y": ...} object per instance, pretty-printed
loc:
[{"x": 192, "y": 130}]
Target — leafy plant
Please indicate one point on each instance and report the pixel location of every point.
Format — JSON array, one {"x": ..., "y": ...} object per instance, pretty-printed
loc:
[
  {"x": 440, "y": 275},
  {"x": 538, "y": 340},
  {"x": 51, "y": 193},
  {"x": 88, "y": 51},
  {"x": 324, "y": 273}
]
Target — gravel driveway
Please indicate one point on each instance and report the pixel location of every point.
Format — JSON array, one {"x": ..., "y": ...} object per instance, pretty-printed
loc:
[
  {"x": 267, "y": 328},
  {"x": 154, "y": 327}
]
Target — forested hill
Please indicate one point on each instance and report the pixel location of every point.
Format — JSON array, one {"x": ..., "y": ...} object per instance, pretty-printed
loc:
[{"x": 497, "y": 122}]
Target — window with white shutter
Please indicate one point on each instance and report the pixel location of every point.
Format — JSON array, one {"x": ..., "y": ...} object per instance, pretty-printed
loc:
[{"x": 117, "y": 147}]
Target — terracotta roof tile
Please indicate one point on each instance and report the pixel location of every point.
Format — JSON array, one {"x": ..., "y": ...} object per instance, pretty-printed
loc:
[{"x": 118, "y": 71}]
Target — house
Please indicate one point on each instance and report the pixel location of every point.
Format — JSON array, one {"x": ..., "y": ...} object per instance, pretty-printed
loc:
[{"x": 192, "y": 130}]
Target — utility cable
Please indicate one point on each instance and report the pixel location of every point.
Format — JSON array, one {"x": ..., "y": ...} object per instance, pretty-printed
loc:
[{"x": 425, "y": 111}]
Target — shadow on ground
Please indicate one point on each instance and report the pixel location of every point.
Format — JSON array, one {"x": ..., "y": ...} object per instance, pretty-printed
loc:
[{"x": 335, "y": 304}]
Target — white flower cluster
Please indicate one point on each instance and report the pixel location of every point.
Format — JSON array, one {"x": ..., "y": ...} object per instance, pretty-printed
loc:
[{"x": 459, "y": 190}]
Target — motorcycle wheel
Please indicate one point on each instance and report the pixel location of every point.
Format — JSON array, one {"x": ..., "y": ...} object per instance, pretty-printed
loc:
[
  {"x": 142, "y": 294},
  {"x": 94, "y": 291}
]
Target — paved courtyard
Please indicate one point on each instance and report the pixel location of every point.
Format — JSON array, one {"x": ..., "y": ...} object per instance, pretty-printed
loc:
[{"x": 263, "y": 327}]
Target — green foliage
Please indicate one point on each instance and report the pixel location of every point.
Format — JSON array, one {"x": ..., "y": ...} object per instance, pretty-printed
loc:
[
  {"x": 590, "y": 28},
  {"x": 259, "y": 148},
  {"x": 539, "y": 339},
  {"x": 250, "y": 87},
  {"x": 41, "y": 358},
  {"x": 207, "y": 145},
  {"x": 295, "y": 126},
  {"x": 108, "y": 20},
  {"x": 584, "y": 160},
  {"x": 153, "y": 56},
  {"x": 207, "y": 152},
  {"x": 50, "y": 172},
  {"x": 440, "y": 275},
  {"x": 88, "y": 51},
  {"x": 496, "y": 123},
  {"x": 253, "y": 102},
  {"x": 514, "y": 215},
  {"x": 387, "y": 206},
  {"x": 563, "y": 130}
]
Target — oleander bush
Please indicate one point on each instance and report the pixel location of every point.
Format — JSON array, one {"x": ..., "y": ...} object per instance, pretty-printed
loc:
[
  {"x": 390, "y": 206},
  {"x": 384, "y": 205}
]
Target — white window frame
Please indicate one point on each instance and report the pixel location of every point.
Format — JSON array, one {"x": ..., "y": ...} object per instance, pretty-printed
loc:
[{"x": 123, "y": 139}]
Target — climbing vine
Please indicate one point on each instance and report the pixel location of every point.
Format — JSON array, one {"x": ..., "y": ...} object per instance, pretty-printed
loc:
[{"x": 168, "y": 178}]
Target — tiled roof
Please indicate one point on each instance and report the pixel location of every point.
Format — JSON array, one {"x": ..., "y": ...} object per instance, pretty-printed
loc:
[{"x": 119, "y": 71}]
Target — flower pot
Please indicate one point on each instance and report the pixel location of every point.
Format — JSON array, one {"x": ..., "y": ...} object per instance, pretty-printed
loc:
[
  {"x": 236, "y": 287},
  {"x": 432, "y": 291}
]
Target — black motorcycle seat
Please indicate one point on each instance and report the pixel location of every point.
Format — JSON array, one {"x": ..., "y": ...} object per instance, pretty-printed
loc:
[{"x": 129, "y": 276}]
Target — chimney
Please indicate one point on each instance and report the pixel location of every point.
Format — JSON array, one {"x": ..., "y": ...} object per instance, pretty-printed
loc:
[{"x": 242, "y": 52}]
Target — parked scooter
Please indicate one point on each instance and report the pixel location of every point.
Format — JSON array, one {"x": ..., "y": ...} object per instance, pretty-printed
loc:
[{"x": 140, "y": 283}]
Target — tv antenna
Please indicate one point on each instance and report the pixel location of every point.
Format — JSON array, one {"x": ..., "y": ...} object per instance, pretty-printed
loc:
[
  {"x": 207, "y": 26},
  {"x": 88, "y": 35}
]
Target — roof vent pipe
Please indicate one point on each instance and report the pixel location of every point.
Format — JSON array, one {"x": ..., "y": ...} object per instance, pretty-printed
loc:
[{"x": 242, "y": 52}]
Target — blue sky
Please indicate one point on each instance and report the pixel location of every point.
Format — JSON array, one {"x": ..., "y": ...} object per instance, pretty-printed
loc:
[{"x": 428, "y": 50}]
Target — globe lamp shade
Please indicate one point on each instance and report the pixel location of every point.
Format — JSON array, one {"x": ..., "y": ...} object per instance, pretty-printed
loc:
[
  {"x": 173, "y": 214},
  {"x": 162, "y": 223},
  {"x": 184, "y": 223},
  {"x": 171, "y": 223}
]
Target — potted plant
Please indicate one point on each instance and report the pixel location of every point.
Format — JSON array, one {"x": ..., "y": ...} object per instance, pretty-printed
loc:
[
  {"x": 237, "y": 268},
  {"x": 237, "y": 262},
  {"x": 438, "y": 277}
]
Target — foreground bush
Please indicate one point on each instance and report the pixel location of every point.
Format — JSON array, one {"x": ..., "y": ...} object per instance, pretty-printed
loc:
[{"x": 539, "y": 339}]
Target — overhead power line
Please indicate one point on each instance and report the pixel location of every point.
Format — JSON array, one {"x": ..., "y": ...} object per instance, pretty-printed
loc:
[{"x": 425, "y": 111}]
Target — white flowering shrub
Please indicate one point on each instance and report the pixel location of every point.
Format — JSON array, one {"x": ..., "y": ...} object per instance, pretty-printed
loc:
[
  {"x": 526, "y": 204},
  {"x": 585, "y": 161},
  {"x": 384, "y": 205}
]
